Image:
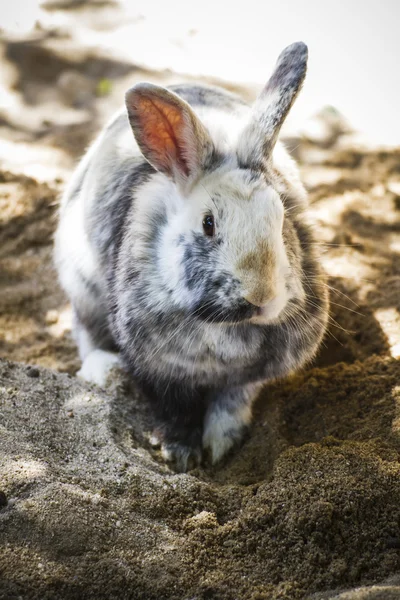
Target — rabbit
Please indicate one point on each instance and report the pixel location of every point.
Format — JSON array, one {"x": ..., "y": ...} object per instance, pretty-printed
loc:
[{"x": 187, "y": 255}]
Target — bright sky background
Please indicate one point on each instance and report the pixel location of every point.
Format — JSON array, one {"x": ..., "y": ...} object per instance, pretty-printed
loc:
[{"x": 354, "y": 47}]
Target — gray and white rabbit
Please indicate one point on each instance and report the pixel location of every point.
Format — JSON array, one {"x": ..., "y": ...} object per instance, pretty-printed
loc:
[{"x": 186, "y": 253}]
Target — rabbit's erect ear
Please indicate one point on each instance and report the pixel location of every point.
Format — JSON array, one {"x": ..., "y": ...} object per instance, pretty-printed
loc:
[
  {"x": 169, "y": 134},
  {"x": 272, "y": 106}
]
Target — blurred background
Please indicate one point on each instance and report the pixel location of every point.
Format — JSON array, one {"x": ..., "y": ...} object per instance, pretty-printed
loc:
[{"x": 354, "y": 46}]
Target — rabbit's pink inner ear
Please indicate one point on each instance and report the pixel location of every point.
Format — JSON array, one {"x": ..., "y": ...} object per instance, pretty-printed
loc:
[{"x": 159, "y": 130}]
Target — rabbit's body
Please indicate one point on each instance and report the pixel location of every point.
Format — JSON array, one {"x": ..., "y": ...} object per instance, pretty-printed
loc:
[{"x": 181, "y": 307}]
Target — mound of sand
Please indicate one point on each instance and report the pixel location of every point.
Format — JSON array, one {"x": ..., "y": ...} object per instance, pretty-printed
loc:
[
  {"x": 309, "y": 507},
  {"x": 311, "y": 502}
]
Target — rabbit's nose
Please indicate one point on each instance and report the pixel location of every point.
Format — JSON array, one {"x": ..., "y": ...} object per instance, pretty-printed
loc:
[
  {"x": 270, "y": 310},
  {"x": 260, "y": 298}
]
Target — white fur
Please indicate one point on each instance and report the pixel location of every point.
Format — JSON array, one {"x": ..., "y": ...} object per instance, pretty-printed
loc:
[
  {"x": 225, "y": 420},
  {"x": 84, "y": 342},
  {"x": 224, "y": 127},
  {"x": 223, "y": 427},
  {"x": 71, "y": 238},
  {"x": 97, "y": 366}
]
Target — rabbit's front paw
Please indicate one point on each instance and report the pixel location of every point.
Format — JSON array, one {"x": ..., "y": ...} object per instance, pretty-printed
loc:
[
  {"x": 182, "y": 455},
  {"x": 223, "y": 430}
]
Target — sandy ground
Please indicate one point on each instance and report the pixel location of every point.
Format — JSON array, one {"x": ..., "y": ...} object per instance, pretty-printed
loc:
[{"x": 310, "y": 505}]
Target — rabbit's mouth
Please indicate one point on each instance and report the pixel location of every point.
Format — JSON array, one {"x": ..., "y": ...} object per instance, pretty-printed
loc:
[
  {"x": 267, "y": 315},
  {"x": 243, "y": 311},
  {"x": 213, "y": 312}
]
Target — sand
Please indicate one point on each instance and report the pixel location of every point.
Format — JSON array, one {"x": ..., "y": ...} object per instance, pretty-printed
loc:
[{"x": 309, "y": 507}]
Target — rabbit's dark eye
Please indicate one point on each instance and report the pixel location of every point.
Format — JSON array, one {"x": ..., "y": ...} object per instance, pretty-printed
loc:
[{"x": 208, "y": 225}]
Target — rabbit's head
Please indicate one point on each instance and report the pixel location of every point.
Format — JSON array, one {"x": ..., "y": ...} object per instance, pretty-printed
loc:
[{"x": 226, "y": 249}]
